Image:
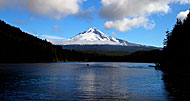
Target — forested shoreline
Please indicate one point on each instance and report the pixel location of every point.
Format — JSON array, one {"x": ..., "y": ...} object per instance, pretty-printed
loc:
[
  {"x": 175, "y": 60},
  {"x": 20, "y": 47}
]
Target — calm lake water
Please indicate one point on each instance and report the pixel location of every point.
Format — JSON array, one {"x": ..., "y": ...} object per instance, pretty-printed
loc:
[{"x": 77, "y": 81}]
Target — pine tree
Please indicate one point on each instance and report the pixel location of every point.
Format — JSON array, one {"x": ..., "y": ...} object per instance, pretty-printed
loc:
[{"x": 176, "y": 52}]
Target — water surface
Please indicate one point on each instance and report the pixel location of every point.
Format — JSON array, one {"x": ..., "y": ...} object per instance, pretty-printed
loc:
[{"x": 77, "y": 81}]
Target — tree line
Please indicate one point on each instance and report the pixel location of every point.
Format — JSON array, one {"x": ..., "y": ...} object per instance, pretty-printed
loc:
[
  {"x": 176, "y": 51},
  {"x": 175, "y": 60},
  {"x": 18, "y": 46}
]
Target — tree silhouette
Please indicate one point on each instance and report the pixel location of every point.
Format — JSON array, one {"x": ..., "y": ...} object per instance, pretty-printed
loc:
[
  {"x": 176, "y": 51},
  {"x": 18, "y": 46},
  {"x": 175, "y": 60}
]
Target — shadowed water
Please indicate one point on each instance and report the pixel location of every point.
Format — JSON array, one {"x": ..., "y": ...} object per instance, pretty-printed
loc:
[{"x": 77, "y": 81}]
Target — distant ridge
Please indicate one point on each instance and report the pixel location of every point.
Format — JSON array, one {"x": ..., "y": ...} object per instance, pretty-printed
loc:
[
  {"x": 95, "y": 41},
  {"x": 123, "y": 50}
]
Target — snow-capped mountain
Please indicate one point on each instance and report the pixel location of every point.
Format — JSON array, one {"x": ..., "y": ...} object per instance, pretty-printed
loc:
[
  {"x": 94, "y": 36},
  {"x": 93, "y": 40}
]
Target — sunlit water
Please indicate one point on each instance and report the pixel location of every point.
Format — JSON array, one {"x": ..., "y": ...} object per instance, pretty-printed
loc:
[{"x": 77, "y": 81}]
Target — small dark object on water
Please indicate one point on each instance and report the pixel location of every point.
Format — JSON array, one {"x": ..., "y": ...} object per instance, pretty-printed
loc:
[
  {"x": 151, "y": 65},
  {"x": 87, "y": 64},
  {"x": 156, "y": 66}
]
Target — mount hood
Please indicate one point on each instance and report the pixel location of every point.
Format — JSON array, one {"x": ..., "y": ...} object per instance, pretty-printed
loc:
[{"x": 94, "y": 36}]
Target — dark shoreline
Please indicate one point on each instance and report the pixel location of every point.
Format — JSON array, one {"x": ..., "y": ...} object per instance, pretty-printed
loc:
[{"x": 177, "y": 84}]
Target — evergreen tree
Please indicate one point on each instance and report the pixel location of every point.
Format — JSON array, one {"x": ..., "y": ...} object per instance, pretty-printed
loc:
[{"x": 176, "y": 52}]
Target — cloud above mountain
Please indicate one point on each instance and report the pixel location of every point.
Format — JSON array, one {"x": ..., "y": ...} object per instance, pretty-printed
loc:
[
  {"x": 52, "y": 8},
  {"x": 118, "y": 9},
  {"x": 124, "y": 15},
  {"x": 126, "y": 23}
]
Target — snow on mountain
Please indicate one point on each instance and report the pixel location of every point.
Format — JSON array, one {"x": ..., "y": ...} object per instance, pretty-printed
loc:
[{"x": 93, "y": 36}]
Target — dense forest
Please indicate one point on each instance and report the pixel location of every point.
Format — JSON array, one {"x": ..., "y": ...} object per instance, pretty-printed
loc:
[
  {"x": 117, "y": 50},
  {"x": 175, "y": 60},
  {"x": 18, "y": 46},
  {"x": 176, "y": 52}
]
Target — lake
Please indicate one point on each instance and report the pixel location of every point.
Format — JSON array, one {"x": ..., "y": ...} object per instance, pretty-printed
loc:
[{"x": 77, "y": 81}]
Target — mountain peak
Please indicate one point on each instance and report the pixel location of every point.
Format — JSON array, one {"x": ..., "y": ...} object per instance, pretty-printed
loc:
[
  {"x": 93, "y": 30},
  {"x": 93, "y": 36}
]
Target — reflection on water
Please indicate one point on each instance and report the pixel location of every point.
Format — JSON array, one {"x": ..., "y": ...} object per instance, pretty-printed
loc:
[{"x": 76, "y": 81}]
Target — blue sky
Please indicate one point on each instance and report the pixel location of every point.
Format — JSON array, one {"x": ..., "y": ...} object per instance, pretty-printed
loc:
[{"x": 136, "y": 21}]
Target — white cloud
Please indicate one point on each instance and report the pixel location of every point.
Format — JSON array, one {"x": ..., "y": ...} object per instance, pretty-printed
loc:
[
  {"x": 182, "y": 1},
  {"x": 126, "y": 23},
  {"x": 183, "y": 15},
  {"x": 51, "y": 37},
  {"x": 124, "y": 15},
  {"x": 149, "y": 25},
  {"x": 117, "y": 9},
  {"x": 52, "y": 8},
  {"x": 4, "y": 4}
]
